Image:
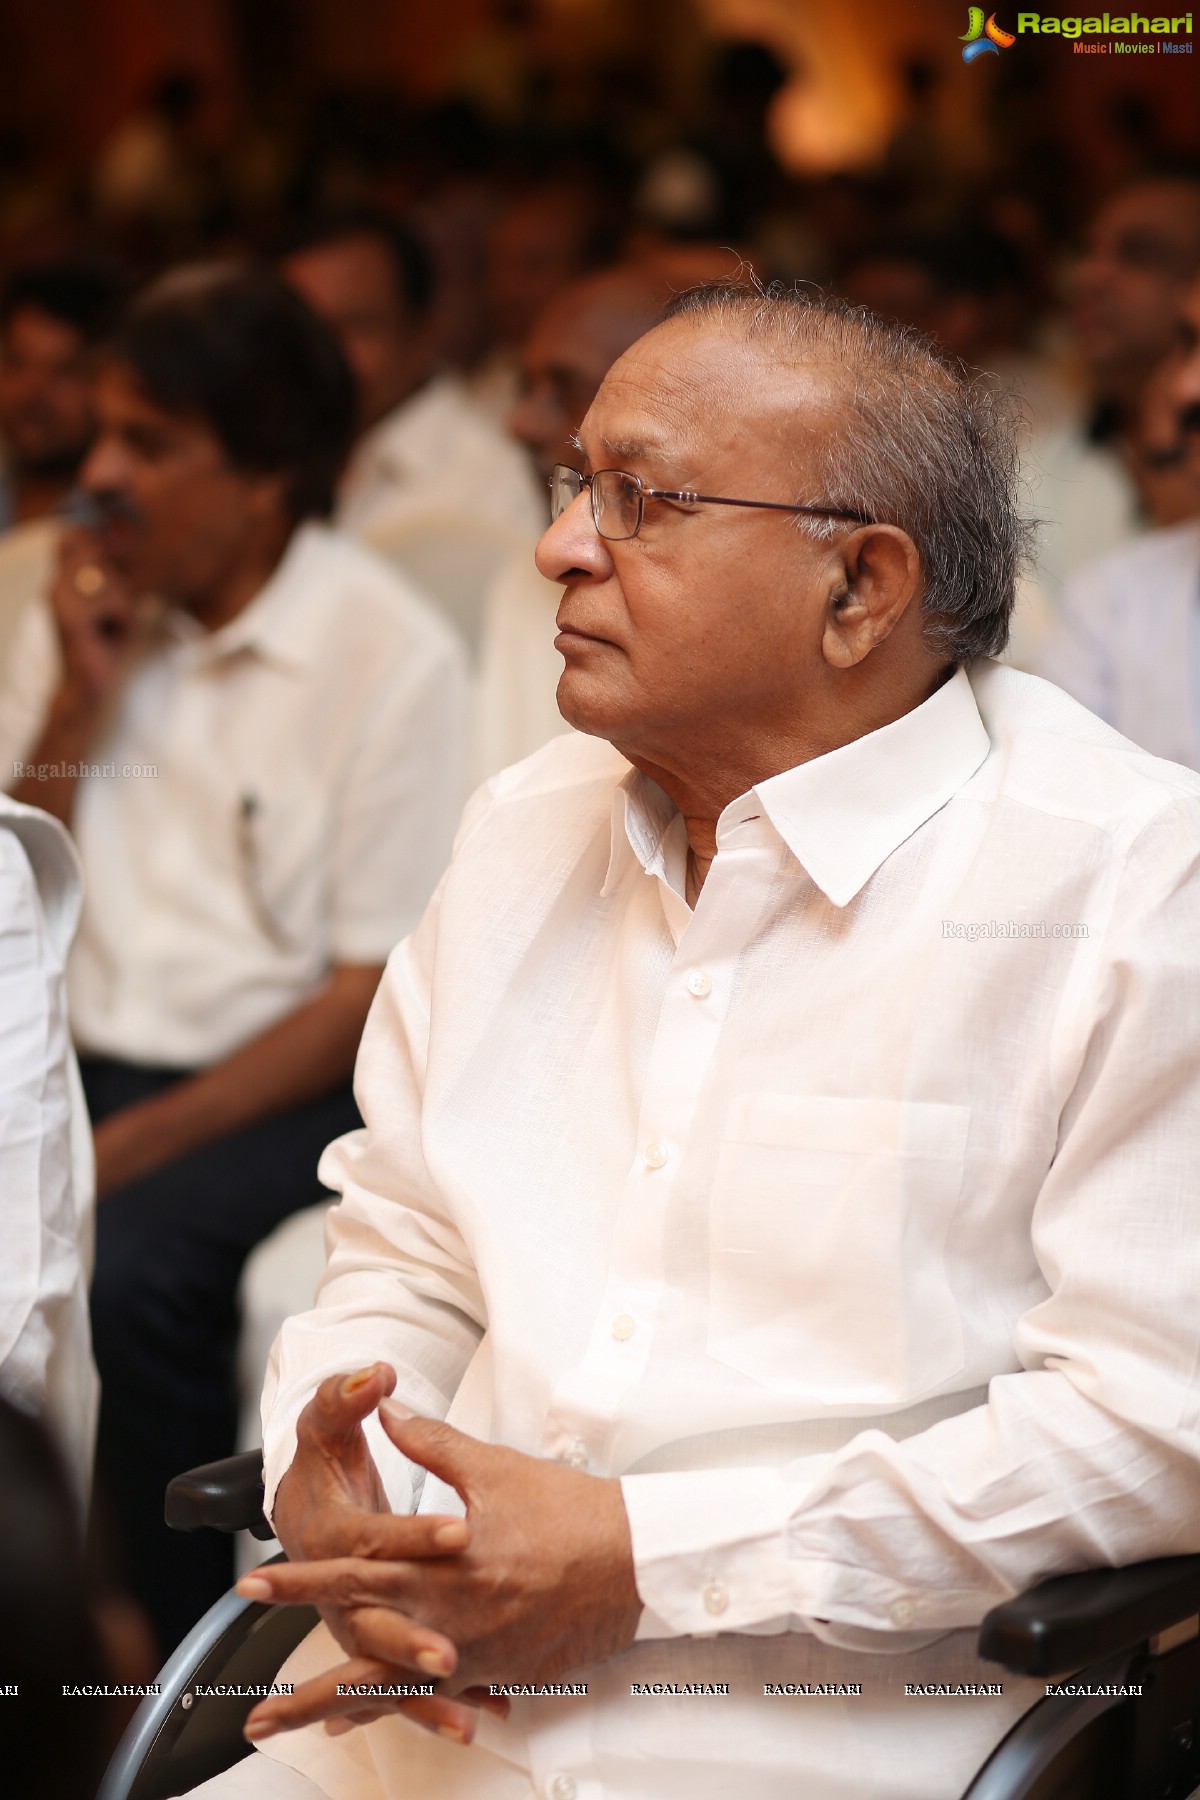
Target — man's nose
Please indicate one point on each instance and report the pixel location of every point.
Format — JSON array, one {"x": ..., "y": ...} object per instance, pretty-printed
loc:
[
  {"x": 573, "y": 545},
  {"x": 1185, "y": 386},
  {"x": 103, "y": 467}
]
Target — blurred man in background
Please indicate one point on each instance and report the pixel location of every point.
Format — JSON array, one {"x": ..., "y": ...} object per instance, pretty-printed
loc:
[
  {"x": 432, "y": 483},
  {"x": 253, "y": 729},
  {"x": 51, "y": 318},
  {"x": 1127, "y": 639}
]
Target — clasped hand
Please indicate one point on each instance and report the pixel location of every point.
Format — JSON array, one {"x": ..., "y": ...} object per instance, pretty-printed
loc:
[{"x": 537, "y": 1580}]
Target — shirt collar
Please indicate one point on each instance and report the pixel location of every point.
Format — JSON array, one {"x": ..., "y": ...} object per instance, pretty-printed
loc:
[
  {"x": 278, "y": 623},
  {"x": 842, "y": 814}
]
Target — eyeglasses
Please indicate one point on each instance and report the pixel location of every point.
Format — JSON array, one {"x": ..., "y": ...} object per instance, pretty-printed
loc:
[{"x": 619, "y": 501}]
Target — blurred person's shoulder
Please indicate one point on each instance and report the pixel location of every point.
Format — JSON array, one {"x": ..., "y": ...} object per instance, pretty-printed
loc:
[
  {"x": 1145, "y": 569},
  {"x": 1051, "y": 755},
  {"x": 358, "y": 601},
  {"x": 27, "y": 558}
]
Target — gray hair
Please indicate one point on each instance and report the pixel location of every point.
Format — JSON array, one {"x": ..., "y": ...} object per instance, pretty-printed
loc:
[{"x": 918, "y": 442}]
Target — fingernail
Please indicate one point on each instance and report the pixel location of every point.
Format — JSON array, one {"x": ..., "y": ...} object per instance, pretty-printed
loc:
[
  {"x": 452, "y": 1536},
  {"x": 355, "y": 1383},
  {"x": 257, "y": 1728},
  {"x": 456, "y": 1733},
  {"x": 253, "y": 1587},
  {"x": 338, "y": 1727},
  {"x": 397, "y": 1412},
  {"x": 434, "y": 1662}
]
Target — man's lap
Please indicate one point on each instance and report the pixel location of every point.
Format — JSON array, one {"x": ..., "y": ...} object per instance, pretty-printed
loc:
[{"x": 258, "y": 1778}]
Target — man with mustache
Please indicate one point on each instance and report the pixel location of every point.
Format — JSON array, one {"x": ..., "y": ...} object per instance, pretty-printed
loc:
[
  {"x": 253, "y": 729},
  {"x": 1127, "y": 639}
]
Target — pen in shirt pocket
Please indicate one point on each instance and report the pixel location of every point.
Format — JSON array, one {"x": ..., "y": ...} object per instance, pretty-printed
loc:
[{"x": 250, "y": 867}]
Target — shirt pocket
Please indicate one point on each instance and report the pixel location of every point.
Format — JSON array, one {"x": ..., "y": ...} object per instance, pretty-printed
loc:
[
  {"x": 827, "y": 1247},
  {"x": 283, "y": 861}
]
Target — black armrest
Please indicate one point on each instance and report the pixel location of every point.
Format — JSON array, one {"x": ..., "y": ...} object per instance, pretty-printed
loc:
[
  {"x": 224, "y": 1496},
  {"x": 1075, "y": 1620}
]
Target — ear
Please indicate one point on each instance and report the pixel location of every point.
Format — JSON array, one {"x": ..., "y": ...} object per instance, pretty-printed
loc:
[{"x": 875, "y": 575}]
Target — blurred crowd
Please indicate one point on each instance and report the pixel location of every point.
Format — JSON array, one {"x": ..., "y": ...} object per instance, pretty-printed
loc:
[{"x": 276, "y": 430}]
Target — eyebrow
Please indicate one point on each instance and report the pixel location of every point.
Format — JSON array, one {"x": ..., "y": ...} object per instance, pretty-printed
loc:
[
  {"x": 632, "y": 449},
  {"x": 624, "y": 449}
]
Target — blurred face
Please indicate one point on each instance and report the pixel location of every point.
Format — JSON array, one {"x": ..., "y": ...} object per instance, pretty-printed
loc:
[
  {"x": 179, "y": 519},
  {"x": 533, "y": 251},
  {"x": 711, "y": 616},
  {"x": 45, "y": 392},
  {"x": 1185, "y": 382},
  {"x": 1142, "y": 253},
  {"x": 566, "y": 357},
  {"x": 352, "y": 285}
]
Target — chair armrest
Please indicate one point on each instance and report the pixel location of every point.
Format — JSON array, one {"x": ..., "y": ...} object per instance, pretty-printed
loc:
[
  {"x": 224, "y": 1496},
  {"x": 1073, "y": 1620}
]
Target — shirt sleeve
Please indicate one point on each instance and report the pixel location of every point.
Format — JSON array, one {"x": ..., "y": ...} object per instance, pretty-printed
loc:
[
  {"x": 1090, "y": 1455},
  {"x": 46, "y": 1172},
  {"x": 400, "y": 1285},
  {"x": 27, "y": 682},
  {"x": 401, "y": 800}
]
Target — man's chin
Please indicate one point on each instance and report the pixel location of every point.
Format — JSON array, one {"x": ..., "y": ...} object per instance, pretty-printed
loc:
[{"x": 585, "y": 706}]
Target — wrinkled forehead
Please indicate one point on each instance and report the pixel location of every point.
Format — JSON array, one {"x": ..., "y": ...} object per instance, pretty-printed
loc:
[{"x": 700, "y": 391}]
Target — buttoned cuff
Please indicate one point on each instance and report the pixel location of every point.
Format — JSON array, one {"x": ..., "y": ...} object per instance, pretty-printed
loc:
[{"x": 709, "y": 1550}]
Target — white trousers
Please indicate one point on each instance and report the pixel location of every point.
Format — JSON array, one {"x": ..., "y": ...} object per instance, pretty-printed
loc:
[{"x": 257, "y": 1778}]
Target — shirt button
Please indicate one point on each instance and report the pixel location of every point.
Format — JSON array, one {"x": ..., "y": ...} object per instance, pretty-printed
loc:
[
  {"x": 699, "y": 982},
  {"x": 655, "y": 1155},
  {"x": 563, "y": 1787},
  {"x": 902, "y": 1613},
  {"x": 715, "y": 1598},
  {"x": 623, "y": 1327},
  {"x": 576, "y": 1457}
]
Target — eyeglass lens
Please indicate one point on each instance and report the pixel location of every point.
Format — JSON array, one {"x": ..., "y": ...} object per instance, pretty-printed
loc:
[
  {"x": 616, "y": 499},
  {"x": 616, "y": 504}
]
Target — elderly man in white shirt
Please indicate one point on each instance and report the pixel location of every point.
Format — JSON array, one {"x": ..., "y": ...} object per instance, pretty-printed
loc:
[
  {"x": 255, "y": 731},
  {"x": 774, "y": 1220},
  {"x": 46, "y": 1174},
  {"x": 433, "y": 483}
]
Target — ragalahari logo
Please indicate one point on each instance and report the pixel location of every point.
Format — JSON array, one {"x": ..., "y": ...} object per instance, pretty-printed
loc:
[{"x": 980, "y": 39}]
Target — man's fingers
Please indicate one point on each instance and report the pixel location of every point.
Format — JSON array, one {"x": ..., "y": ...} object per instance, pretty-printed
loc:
[
  {"x": 438, "y": 1447},
  {"x": 341, "y": 1403},
  {"x": 368, "y": 1602},
  {"x": 356, "y": 1692}
]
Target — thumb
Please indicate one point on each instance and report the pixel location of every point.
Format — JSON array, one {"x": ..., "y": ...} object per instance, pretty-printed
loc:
[
  {"x": 340, "y": 1404},
  {"x": 449, "y": 1454}
]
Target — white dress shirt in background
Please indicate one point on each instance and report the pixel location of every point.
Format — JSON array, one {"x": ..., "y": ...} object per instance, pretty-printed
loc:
[
  {"x": 441, "y": 491},
  {"x": 849, "y": 1218},
  {"x": 47, "y": 1177},
  {"x": 28, "y": 554},
  {"x": 300, "y": 770},
  {"x": 516, "y": 709},
  {"x": 1127, "y": 641}
]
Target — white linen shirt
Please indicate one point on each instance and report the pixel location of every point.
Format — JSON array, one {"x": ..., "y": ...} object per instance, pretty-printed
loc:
[
  {"x": 849, "y": 1218},
  {"x": 47, "y": 1175},
  {"x": 1126, "y": 642},
  {"x": 439, "y": 490},
  {"x": 273, "y": 798},
  {"x": 438, "y": 449}
]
